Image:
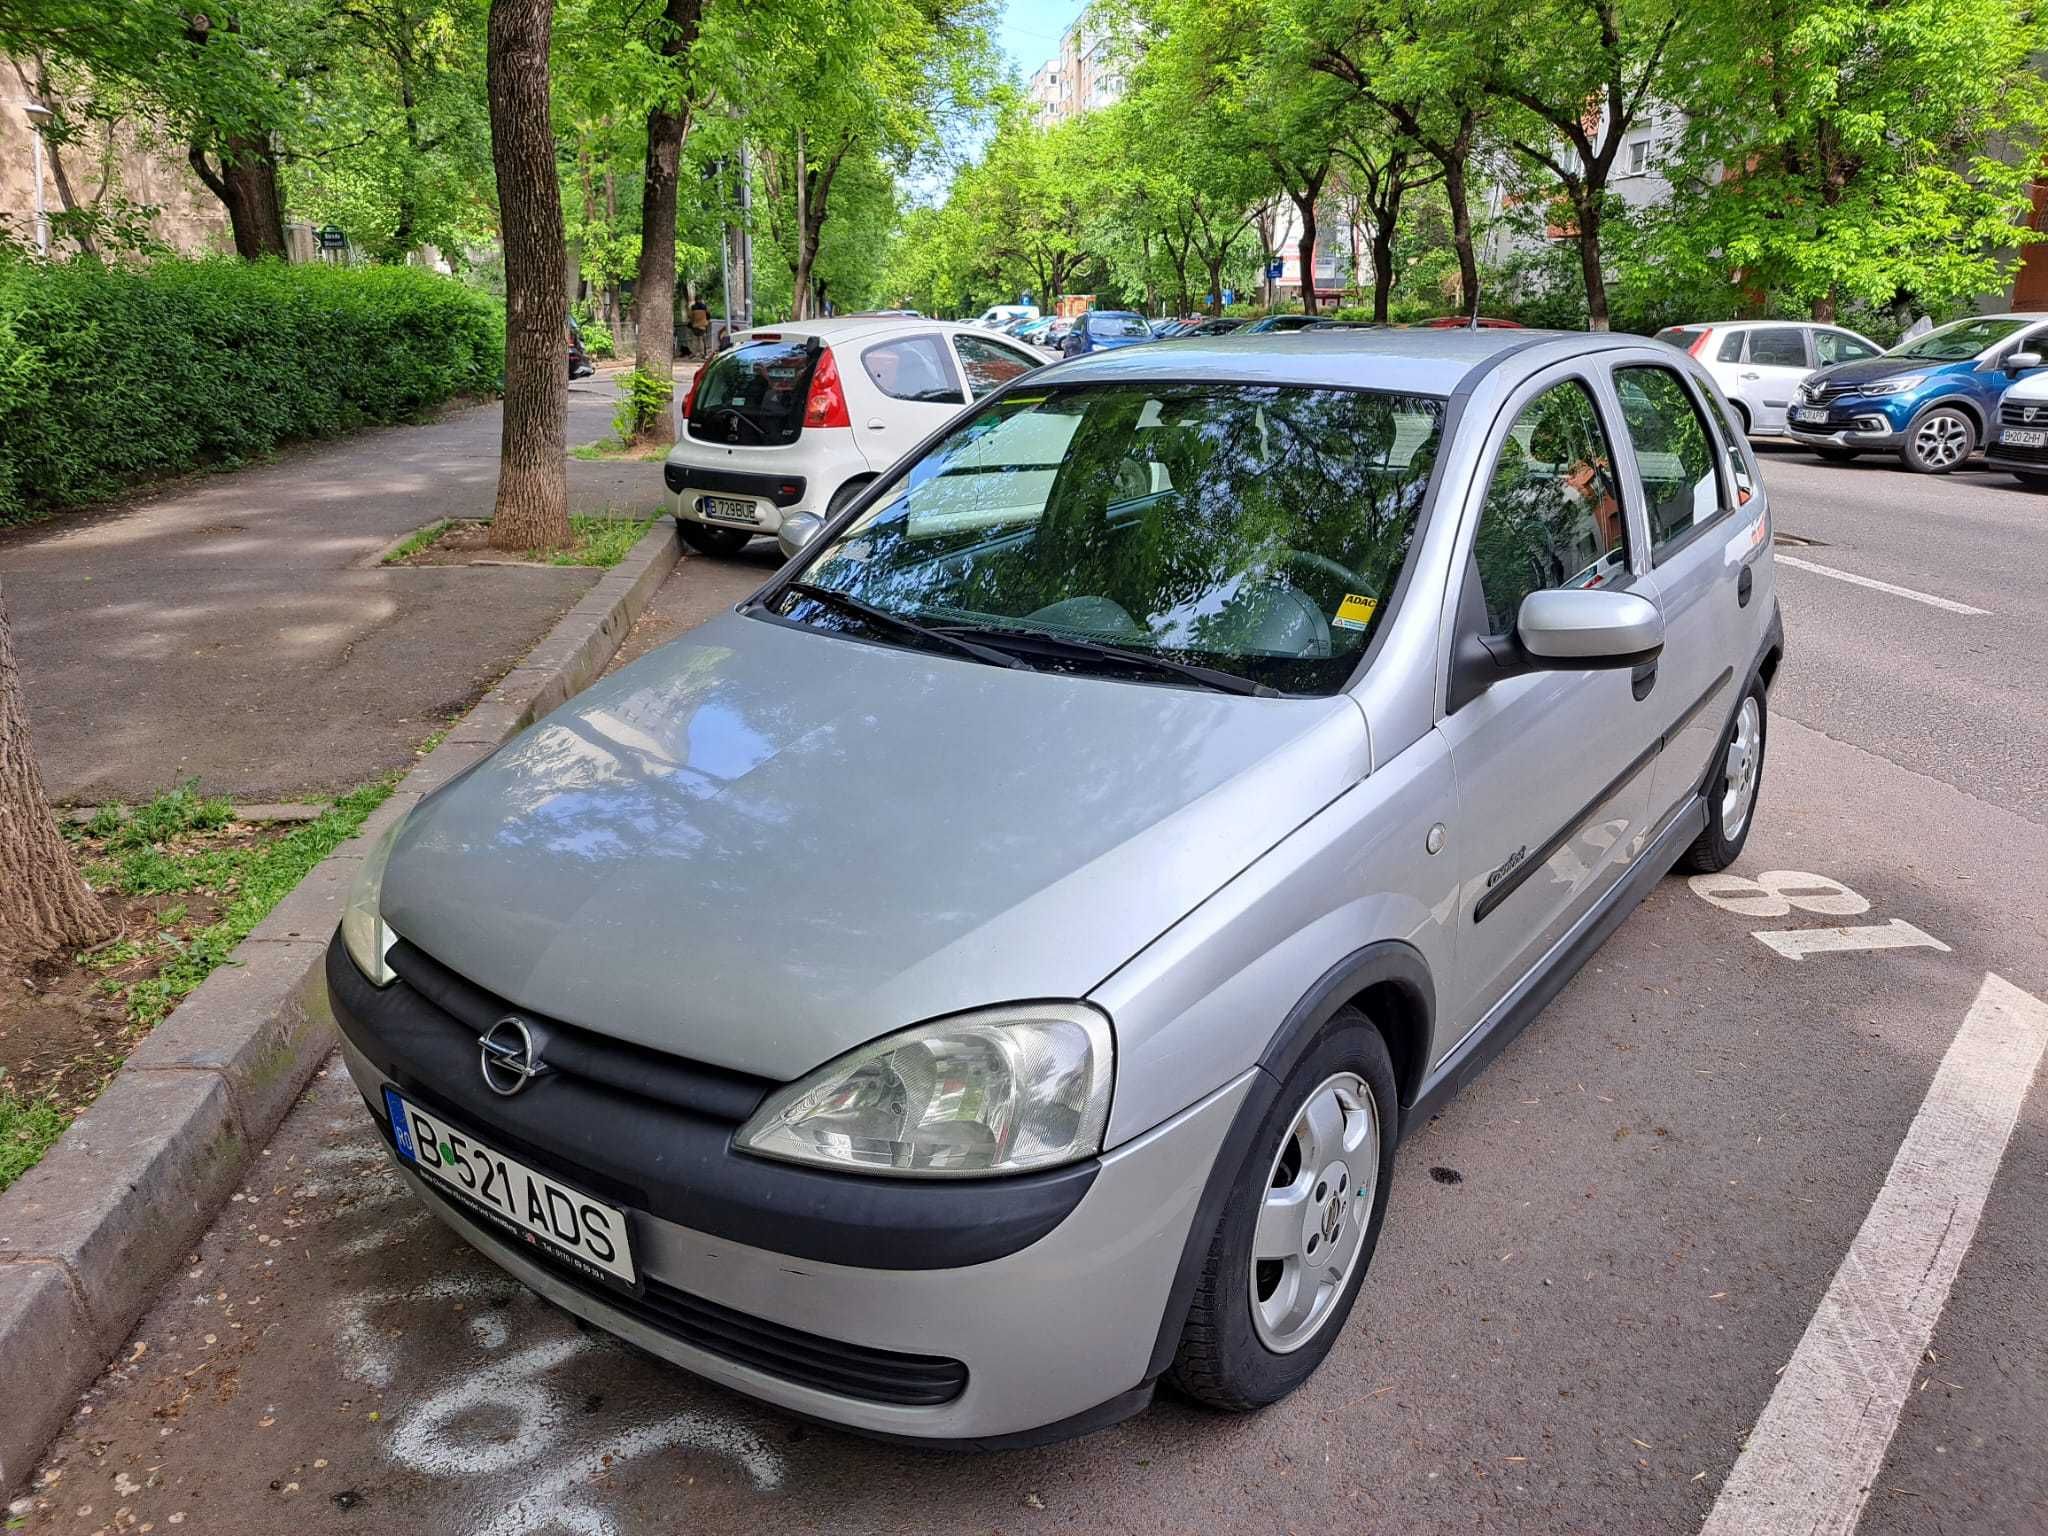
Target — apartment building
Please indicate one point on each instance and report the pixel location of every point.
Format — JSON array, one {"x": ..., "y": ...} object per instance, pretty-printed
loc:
[{"x": 1080, "y": 77}]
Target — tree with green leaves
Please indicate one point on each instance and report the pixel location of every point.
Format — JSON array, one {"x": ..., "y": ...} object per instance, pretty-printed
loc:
[{"x": 1868, "y": 151}]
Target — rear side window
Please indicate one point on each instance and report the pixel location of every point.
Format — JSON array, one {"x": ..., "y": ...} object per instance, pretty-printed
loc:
[
  {"x": 1674, "y": 452},
  {"x": 989, "y": 365},
  {"x": 753, "y": 396},
  {"x": 1731, "y": 348},
  {"x": 1553, "y": 513},
  {"x": 1778, "y": 346},
  {"x": 913, "y": 368}
]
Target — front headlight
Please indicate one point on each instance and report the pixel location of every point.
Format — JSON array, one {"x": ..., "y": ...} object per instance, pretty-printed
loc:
[
  {"x": 1897, "y": 386},
  {"x": 1000, "y": 1091},
  {"x": 362, "y": 927}
]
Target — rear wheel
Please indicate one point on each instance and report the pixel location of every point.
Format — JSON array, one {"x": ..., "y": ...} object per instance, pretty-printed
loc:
[
  {"x": 712, "y": 541},
  {"x": 1938, "y": 440},
  {"x": 1731, "y": 793},
  {"x": 843, "y": 497},
  {"x": 1288, "y": 1257}
]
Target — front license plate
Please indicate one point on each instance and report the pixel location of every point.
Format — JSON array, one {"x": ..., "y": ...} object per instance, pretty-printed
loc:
[
  {"x": 1809, "y": 413},
  {"x": 2019, "y": 437},
  {"x": 727, "y": 510},
  {"x": 543, "y": 1211}
]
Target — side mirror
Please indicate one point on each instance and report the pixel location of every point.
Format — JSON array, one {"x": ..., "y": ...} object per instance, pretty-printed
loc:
[
  {"x": 798, "y": 529},
  {"x": 1577, "y": 629},
  {"x": 2020, "y": 362}
]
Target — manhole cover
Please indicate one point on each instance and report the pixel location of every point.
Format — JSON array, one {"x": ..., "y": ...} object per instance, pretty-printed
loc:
[{"x": 1797, "y": 541}]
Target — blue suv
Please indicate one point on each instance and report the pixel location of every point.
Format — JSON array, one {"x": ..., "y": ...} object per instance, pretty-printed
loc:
[
  {"x": 1929, "y": 401},
  {"x": 1101, "y": 330}
]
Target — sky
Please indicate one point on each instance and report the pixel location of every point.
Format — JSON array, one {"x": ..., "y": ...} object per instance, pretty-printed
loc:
[{"x": 1030, "y": 30}]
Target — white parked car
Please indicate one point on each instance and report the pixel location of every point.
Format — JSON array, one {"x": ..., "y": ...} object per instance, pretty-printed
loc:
[
  {"x": 798, "y": 417},
  {"x": 996, "y": 316},
  {"x": 2019, "y": 442},
  {"x": 1759, "y": 363}
]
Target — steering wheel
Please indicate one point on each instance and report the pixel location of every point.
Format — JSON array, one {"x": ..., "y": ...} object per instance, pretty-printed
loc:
[
  {"x": 1308, "y": 558},
  {"x": 754, "y": 428}
]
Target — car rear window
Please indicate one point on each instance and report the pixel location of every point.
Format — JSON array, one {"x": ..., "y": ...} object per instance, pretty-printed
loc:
[
  {"x": 1110, "y": 323},
  {"x": 753, "y": 396},
  {"x": 1683, "y": 337}
]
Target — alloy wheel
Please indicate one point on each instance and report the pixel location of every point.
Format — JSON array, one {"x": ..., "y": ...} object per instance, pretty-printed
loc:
[
  {"x": 1745, "y": 749},
  {"x": 1942, "y": 441},
  {"x": 1314, "y": 1208}
]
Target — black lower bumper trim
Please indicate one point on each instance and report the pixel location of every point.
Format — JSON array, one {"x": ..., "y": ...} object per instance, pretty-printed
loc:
[
  {"x": 782, "y": 490},
  {"x": 680, "y": 1166}
]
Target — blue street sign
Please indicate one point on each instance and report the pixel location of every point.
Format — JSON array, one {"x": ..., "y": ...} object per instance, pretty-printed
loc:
[
  {"x": 1275, "y": 268},
  {"x": 1230, "y": 295}
]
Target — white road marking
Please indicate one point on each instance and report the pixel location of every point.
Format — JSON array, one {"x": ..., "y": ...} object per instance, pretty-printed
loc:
[
  {"x": 1948, "y": 604},
  {"x": 1812, "y": 1459},
  {"x": 1798, "y": 943}
]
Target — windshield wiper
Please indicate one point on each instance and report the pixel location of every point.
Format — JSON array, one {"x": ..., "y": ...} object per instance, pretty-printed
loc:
[
  {"x": 882, "y": 618},
  {"x": 1213, "y": 678}
]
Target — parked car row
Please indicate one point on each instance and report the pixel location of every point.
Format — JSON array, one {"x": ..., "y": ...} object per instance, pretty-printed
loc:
[{"x": 1932, "y": 401}]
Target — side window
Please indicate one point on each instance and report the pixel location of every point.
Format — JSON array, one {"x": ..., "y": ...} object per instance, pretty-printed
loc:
[
  {"x": 1553, "y": 513},
  {"x": 988, "y": 364},
  {"x": 1778, "y": 346},
  {"x": 1674, "y": 452},
  {"x": 1731, "y": 349},
  {"x": 1738, "y": 466},
  {"x": 913, "y": 368},
  {"x": 1831, "y": 347}
]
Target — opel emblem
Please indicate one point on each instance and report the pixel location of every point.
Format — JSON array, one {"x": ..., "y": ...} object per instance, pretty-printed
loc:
[{"x": 509, "y": 1058}]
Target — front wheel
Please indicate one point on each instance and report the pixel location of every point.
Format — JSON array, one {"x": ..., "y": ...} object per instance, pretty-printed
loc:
[
  {"x": 1937, "y": 440},
  {"x": 1291, "y": 1250},
  {"x": 1731, "y": 792},
  {"x": 712, "y": 541}
]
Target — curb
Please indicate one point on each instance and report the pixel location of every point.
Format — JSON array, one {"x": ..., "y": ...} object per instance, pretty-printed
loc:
[{"x": 88, "y": 1236}]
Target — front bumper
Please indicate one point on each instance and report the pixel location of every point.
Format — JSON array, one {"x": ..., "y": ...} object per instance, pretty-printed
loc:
[
  {"x": 1854, "y": 424},
  {"x": 1054, "y": 1337}
]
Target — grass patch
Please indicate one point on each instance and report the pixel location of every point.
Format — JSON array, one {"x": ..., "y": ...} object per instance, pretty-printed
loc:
[
  {"x": 246, "y": 880},
  {"x": 601, "y": 541},
  {"x": 28, "y": 1128},
  {"x": 612, "y": 448},
  {"x": 426, "y": 538}
]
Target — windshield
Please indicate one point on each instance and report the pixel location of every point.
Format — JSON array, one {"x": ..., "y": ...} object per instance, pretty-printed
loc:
[
  {"x": 753, "y": 396},
  {"x": 1959, "y": 342},
  {"x": 1111, "y": 324},
  {"x": 1255, "y": 530}
]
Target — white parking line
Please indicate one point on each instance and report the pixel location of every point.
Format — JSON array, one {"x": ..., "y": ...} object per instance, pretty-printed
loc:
[
  {"x": 1809, "y": 1465},
  {"x": 1884, "y": 586}
]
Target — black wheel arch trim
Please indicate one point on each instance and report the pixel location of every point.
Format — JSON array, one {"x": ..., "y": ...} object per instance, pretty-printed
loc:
[{"x": 1390, "y": 962}]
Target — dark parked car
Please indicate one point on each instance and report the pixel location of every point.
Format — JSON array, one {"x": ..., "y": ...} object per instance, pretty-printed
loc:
[
  {"x": 1103, "y": 330},
  {"x": 580, "y": 366}
]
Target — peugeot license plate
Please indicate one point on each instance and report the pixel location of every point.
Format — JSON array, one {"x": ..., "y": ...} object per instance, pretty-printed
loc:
[
  {"x": 2020, "y": 437},
  {"x": 726, "y": 509},
  {"x": 541, "y": 1210},
  {"x": 1814, "y": 414}
]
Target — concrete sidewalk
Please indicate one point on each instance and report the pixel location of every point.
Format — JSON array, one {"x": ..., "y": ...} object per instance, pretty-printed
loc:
[{"x": 236, "y": 627}]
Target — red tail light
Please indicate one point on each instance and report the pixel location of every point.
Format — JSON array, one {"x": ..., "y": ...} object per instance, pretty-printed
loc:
[
  {"x": 690, "y": 400},
  {"x": 1699, "y": 342},
  {"x": 826, "y": 405}
]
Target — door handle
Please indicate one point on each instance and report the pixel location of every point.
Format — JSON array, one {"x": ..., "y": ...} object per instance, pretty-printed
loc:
[{"x": 1743, "y": 583}]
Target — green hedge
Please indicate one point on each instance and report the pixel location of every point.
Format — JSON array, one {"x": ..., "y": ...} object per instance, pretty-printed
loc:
[{"x": 109, "y": 376}]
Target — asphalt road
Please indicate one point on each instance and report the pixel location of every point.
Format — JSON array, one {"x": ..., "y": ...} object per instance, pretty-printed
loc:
[
  {"x": 238, "y": 627},
  {"x": 1596, "y": 1273}
]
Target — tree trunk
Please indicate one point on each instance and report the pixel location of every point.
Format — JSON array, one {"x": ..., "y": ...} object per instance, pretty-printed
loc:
[
  {"x": 1588, "y": 213},
  {"x": 1305, "y": 251},
  {"x": 1215, "y": 284},
  {"x": 1824, "y": 307},
  {"x": 246, "y": 184},
  {"x": 44, "y": 904},
  {"x": 654, "y": 292},
  {"x": 1383, "y": 261},
  {"x": 1461, "y": 231},
  {"x": 533, "y": 482}
]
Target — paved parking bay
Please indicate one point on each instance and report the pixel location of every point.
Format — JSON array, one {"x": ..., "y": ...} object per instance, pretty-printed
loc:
[{"x": 1603, "y": 1264}]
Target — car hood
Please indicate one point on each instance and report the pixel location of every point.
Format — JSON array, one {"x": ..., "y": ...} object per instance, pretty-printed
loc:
[
  {"x": 763, "y": 845},
  {"x": 1867, "y": 369}
]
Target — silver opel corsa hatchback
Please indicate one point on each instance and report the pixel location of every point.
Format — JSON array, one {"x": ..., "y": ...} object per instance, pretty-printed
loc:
[{"x": 992, "y": 969}]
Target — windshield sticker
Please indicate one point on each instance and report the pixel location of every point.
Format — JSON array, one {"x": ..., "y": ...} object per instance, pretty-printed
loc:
[{"x": 1355, "y": 612}]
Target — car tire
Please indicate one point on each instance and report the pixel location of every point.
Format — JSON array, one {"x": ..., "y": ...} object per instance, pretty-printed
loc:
[
  {"x": 1733, "y": 788},
  {"x": 843, "y": 497},
  {"x": 1227, "y": 1357},
  {"x": 1939, "y": 439},
  {"x": 713, "y": 541},
  {"x": 1837, "y": 455},
  {"x": 2033, "y": 480},
  {"x": 1742, "y": 417}
]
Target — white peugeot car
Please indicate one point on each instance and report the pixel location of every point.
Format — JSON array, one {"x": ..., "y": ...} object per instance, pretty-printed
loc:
[
  {"x": 1759, "y": 364},
  {"x": 798, "y": 417}
]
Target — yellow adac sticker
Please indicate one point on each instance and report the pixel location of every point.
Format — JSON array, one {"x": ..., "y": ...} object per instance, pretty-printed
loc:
[{"x": 1355, "y": 612}]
